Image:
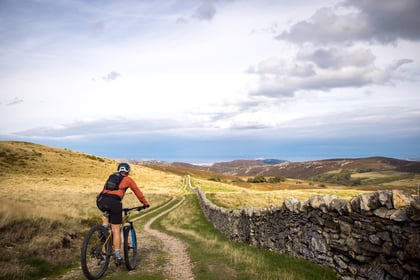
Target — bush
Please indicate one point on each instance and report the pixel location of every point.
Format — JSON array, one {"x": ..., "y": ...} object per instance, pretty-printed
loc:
[
  {"x": 277, "y": 179},
  {"x": 257, "y": 179},
  {"x": 216, "y": 179},
  {"x": 341, "y": 178},
  {"x": 237, "y": 180}
]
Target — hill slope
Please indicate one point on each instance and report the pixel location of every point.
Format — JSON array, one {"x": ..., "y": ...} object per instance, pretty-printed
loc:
[
  {"x": 307, "y": 169},
  {"x": 23, "y": 158}
]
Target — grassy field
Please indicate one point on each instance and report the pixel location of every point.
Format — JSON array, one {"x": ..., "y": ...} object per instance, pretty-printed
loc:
[
  {"x": 47, "y": 203},
  {"x": 264, "y": 195}
]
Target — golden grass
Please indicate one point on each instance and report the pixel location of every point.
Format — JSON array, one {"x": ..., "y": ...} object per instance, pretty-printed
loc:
[
  {"x": 259, "y": 199},
  {"x": 47, "y": 195},
  {"x": 64, "y": 183},
  {"x": 212, "y": 186}
]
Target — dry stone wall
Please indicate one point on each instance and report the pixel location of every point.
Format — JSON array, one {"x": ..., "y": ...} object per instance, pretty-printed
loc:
[{"x": 371, "y": 236}]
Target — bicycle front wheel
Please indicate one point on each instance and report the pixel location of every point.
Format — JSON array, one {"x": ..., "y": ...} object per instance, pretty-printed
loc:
[
  {"x": 130, "y": 247},
  {"x": 96, "y": 252}
]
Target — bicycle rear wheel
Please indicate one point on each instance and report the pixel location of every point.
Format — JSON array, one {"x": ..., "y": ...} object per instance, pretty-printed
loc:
[
  {"x": 96, "y": 252},
  {"x": 130, "y": 247}
]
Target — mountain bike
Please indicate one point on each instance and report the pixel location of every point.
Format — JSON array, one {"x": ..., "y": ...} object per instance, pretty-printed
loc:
[{"x": 97, "y": 247}]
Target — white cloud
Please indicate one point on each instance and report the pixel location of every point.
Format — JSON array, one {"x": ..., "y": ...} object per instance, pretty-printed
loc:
[
  {"x": 111, "y": 76},
  {"x": 321, "y": 69}
]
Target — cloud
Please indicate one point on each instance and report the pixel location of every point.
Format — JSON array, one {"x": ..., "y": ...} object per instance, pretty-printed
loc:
[
  {"x": 321, "y": 69},
  {"x": 368, "y": 121},
  {"x": 333, "y": 58},
  {"x": 14, "y": 101},
  {"x": 386, "y": 22},
  {"x": 107, "y": 127},
  {"x": 391, "y": 19},
  {"x": 97, "y": 28},
  {"x": 111, "y": 76},
  {"x": 205, "y": 11},
  {"x": 373, "y": 121}
]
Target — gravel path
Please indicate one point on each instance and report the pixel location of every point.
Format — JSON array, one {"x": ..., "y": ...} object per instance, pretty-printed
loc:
[{"x": 180, "y": 266}]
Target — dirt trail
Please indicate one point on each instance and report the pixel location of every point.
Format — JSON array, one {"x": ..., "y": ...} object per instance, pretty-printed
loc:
[{"x": 180, "y": 266}]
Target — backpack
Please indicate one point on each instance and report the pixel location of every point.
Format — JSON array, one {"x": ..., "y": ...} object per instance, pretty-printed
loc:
[{"x": 113, "y": 181}]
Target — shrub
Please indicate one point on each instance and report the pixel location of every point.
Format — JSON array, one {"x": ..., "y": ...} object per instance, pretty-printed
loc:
[
  {"x": 237, "y": 180},
  {"x": 216, "y": 179},
  {"x": 257, "y": 179},
  {"x": 341, "y": 178},
  {"x": 277, "y": 179}
]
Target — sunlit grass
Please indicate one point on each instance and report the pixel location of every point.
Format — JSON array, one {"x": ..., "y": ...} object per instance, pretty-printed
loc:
[
  {"x": 260, "y": 199},
  {"x": 212, "y": 186},
  {"x": 48, "y": 202}
]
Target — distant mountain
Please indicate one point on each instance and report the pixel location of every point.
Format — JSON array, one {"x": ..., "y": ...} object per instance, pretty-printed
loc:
[
  {"x": 306, "y": 169},
  {"x": 271, "y": 161},
  {"x": 310, "y": 168}
]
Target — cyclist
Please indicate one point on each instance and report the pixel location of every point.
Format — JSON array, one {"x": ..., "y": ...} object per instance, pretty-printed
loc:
[{"x": 109, "y": 202}]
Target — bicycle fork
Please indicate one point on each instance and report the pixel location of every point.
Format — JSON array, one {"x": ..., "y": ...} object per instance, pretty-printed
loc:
[{"x": 128, "y": 226}]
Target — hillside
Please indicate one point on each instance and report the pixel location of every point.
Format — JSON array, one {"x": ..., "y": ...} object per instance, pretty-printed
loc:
[
  {"x": 373, "y": 172},
  {"x": 23, "y": 158},
  {"x": 47, "y": 204},
  {"x": 307, "y": 169}
]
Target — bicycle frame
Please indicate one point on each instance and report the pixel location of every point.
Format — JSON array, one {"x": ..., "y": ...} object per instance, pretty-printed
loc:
[
  {"x": 125, "y": 222},
  {"x": 95, "y": 260}
]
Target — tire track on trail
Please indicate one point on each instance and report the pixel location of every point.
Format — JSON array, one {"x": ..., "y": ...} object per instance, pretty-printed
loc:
[{"x": 180, "y": 265}]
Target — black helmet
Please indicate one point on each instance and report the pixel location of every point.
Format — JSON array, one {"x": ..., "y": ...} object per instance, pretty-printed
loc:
[{"x": 124, "y": 167}]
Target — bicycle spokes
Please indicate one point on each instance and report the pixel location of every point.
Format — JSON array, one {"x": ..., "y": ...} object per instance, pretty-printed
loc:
[
  {"x": 130, "y": 247},
  {"x": 95, "y": 253}
]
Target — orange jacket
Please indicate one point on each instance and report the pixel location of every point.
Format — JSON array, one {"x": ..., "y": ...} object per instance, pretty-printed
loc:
[{"x": 127, "y": 182}]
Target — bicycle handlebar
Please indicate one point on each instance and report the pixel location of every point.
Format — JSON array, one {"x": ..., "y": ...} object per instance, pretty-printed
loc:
[{"x": 138, "y": 208}]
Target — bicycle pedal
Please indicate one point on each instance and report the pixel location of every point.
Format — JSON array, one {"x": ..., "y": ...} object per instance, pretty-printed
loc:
[{"x": 119, "y": 261}]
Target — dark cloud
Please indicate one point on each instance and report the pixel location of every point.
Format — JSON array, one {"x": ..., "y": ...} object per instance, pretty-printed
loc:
[
  {"x": 384, "y": 22},
  {"x": 205, "y": 11},
  {"x": 390, "y": 19},
  {"x": 181, "y": 20},
  {"x": 102, "y": 127},
  {"x": 97, "y": 28},
  {"x": 334, "y": 58},
  {"x": 322, "y": 69},
  {"x": 248, "y": 126},
  {"x": 14, "y": 101},
  {"x": 111, "y": 76}
]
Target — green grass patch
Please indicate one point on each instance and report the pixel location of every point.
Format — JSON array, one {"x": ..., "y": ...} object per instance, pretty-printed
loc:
[
  {"x": 215, "y": 257},
  {"x": 377, "y": 178}
]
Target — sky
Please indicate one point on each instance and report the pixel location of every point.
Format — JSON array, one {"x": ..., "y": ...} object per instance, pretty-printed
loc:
[{"x": 213, "y": 80}]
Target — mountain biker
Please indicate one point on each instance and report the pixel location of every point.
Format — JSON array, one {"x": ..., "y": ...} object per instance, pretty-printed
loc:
[{"x": 109, "y": 202}]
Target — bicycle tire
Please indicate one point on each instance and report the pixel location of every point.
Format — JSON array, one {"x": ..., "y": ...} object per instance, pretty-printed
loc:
[
  {"x": 96, "y": 252},
  {"x": 130, "y": 247}
]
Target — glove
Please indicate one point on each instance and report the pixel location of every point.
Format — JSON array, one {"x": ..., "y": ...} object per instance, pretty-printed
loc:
[{"x": 146, "y": 206}]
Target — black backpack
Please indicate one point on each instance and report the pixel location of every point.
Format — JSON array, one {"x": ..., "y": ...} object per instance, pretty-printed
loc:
[{"x": 113, "y": 181}]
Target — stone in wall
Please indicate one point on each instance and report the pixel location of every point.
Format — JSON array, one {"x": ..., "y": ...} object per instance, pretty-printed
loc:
[{"x": 401, "y": 199}]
